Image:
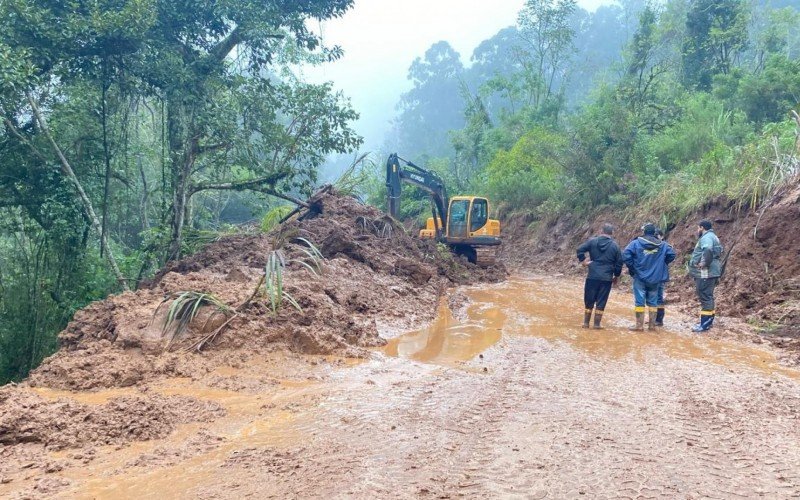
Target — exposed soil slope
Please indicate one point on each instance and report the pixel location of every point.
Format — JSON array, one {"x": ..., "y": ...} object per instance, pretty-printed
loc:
[{"x": 762, "y": 280}]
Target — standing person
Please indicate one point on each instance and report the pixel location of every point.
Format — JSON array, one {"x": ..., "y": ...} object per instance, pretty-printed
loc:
[
  {"x": 605, "y": 266},
  {"x": 705, "y": 266},
  {"x": 647, "y": 258},
  {"x": 660, "y": 302}
]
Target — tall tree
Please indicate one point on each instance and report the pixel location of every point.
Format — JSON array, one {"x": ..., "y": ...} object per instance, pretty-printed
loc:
[
  {"x": 716, "y": 34},
  {"x": 547, "y": 43},
  {"x": 197, "y": 59},
  {"x": 434, "y": 104}
]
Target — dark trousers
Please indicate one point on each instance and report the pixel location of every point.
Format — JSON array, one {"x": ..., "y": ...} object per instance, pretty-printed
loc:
[
  {"x": 705, "y": 293},
  {"x": 595, "y": 294}
]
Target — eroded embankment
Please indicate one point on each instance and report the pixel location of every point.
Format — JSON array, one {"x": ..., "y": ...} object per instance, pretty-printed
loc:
[
  {"x": 374, "y": 278},
  {"x": 762, "y": 280}
]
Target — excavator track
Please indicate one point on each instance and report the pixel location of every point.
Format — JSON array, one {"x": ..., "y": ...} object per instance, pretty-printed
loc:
[{"x": 485, "y": 256}]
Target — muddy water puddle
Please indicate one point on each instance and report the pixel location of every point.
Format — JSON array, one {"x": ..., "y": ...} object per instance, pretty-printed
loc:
[{"x": 552, "y": 309}]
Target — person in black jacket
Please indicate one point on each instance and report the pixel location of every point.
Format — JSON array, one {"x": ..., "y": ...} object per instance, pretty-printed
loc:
[{"x": 605, "y": 266}]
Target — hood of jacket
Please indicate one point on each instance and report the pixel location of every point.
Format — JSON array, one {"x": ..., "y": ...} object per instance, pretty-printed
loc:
[
  {"x": 650, "y": 243},
  {"x": 604, "y": 243}
]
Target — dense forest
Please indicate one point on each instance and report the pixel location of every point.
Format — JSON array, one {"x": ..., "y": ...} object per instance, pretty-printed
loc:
[
  {"x": 655, "y": 104},
  {"x": 133, "y": 130},
  {"x": 136, "y": 131}
]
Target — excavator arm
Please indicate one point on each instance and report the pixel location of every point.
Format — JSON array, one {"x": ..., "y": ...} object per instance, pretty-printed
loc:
[{"x": 399, "y": 171}]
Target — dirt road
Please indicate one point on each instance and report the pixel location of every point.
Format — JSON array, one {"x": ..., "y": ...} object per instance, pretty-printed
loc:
[{"x": 510, "y": 400}]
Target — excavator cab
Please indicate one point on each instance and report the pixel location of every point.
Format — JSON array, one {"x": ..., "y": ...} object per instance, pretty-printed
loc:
[{"x": 469, "y": 230}]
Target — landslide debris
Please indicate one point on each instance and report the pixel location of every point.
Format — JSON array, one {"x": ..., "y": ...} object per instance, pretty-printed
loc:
[
  {"x": 26, "y": 417},
  {"x": 375, "y": 278}
]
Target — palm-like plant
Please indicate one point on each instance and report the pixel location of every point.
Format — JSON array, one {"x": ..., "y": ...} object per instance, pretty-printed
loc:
[
  {"x": 184, "y": 308},
  {"x": 276, "y": 265}
]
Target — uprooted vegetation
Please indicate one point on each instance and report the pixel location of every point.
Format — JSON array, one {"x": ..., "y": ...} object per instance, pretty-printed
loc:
[{"x": 373, "y": 277}]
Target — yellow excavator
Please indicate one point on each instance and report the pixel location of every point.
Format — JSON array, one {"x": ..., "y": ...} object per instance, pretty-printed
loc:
[{"x": 461, "y": 222}]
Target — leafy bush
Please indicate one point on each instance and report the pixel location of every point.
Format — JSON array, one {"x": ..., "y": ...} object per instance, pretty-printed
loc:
[{"x": 527, "y": 175}]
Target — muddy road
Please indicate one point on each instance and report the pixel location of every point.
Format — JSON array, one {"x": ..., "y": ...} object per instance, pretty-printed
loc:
[{"x": 505, "y": 396}]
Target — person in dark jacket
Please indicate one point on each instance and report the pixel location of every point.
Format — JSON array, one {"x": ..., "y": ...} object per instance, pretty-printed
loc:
[
  {"x": 605, "y": 266},
  {"x": 705, "y": 266},
  {"x": 647, "y": 258}
]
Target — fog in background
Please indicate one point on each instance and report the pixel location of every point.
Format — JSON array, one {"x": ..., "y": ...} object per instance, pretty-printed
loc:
[{"x": 381, "y": 39}]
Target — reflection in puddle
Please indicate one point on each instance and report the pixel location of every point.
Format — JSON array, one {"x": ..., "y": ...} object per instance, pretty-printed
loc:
[
  {"x": 552, "y": 309},
  {"x": 448, "y": 340}
]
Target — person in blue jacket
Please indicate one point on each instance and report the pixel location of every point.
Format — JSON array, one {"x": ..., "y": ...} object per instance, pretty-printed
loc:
[{"x": 647, "y": 259}]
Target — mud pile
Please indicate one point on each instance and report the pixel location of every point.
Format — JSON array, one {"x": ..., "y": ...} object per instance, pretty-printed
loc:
[
  {"x": 375, "y": 278},
  {"x": 28, "y": 418},
  {"x": 762, "y": 280}
]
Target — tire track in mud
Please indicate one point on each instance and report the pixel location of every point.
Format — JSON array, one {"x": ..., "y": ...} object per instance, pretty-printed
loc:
[{"x": 548, "y": 421}]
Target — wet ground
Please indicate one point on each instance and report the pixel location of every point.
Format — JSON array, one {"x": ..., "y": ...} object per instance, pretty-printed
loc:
[{"x": 506, "y": 397}]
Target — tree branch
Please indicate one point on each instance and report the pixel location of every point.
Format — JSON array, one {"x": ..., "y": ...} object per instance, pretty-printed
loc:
[{"x": 261, "y": 184}]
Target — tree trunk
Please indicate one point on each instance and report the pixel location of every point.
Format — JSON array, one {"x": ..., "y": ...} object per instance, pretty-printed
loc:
[
  {"x": 66, "y": 168},
  {"x": 182, "y": 154}
]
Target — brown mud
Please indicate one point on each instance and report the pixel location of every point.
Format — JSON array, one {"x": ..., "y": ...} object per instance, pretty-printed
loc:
[
  {"x": 501, "y": 395},
  {"x": 375, "y": 280},
  {"x": 375, "y": 276},
  {"x": 762, "y": 281},
  {"x": 504, "y": 395}
]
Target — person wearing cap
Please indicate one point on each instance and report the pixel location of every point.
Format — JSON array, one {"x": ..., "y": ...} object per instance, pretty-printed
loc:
[
  {"x": 647, "y": 259},
  {"x": 705, "y": 267},
  {"x": 605, "y": 266},
  {"x": 660, "y": 301}
]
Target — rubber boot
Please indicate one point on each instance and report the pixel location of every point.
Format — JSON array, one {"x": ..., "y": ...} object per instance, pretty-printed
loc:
[
  {"x": 639, "y": 326},
  {"x": 660, "y": 316},
  {"x": 706, "y": 322},
  {"x": 651, "y": 320},
  {"x": 587, "y": 315},
  {"x": 598, "y": 317}
]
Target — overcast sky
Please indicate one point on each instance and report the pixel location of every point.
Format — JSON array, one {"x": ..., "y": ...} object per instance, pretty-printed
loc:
[{"x": 381, "y": 39}]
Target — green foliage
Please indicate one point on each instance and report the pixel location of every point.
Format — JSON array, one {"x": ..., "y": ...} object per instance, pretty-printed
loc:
[
  {"x": 770, "y": 95},
  {"x": 703, "y": 127},
  {"x": 527, "y": 174},
  {"x": 274, "y": 273},
  {"x": 274, "y": 216},
  {"x": 716, "y": 36}
]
